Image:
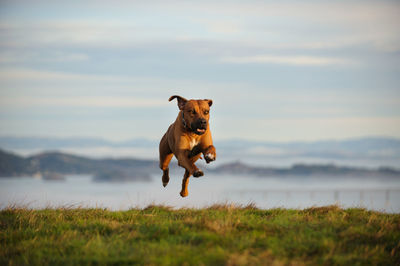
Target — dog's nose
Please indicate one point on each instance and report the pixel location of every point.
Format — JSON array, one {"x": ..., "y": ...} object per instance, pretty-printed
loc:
[{"x": 203, "y": 122}]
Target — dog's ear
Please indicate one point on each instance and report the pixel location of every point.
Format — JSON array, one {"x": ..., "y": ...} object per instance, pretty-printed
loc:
[
  {"x": 181, "y": 101},
  {"x": 209, "y": 102}
]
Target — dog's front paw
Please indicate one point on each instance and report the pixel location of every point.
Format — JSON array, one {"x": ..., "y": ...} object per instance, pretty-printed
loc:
[
  {"x": 209, "y": 157},
  {"x": 210, "y": 154},
  {"x": 198, "y": 173}
]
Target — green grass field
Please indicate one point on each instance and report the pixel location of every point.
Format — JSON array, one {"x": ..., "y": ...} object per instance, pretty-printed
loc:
[{"x": 218, "y": 235}]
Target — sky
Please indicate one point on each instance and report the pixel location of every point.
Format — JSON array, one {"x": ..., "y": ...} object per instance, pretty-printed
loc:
[{"x": 275, "y": 70}]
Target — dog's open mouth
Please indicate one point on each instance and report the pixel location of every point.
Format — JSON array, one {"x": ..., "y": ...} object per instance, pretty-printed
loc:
[{"x": 200, "y": 131}]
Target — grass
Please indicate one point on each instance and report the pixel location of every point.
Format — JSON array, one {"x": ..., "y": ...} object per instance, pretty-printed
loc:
[{"x": 218, "y": 235}]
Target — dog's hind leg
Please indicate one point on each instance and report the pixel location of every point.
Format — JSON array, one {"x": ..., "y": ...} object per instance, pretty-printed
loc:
[
  {"x": 165, "y": 158},
  {"x": 164, "y": 162},
  {"x": 185, "y": 182},
  {"x": 164, "y": 166}
]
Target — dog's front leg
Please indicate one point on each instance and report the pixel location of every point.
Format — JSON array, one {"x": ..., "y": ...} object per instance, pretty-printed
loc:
[
  {"x": 190, "y": 169},
  {"x": 185, "y": 161},
  {"x": 210, "y": 154}
]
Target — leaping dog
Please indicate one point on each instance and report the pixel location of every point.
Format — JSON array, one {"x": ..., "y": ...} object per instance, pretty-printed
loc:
[{"x": 187, "y": 138}]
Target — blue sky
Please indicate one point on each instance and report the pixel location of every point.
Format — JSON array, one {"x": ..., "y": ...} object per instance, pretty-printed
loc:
[{"x": 277, "y": 71}]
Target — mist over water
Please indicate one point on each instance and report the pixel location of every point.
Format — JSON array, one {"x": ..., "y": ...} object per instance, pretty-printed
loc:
[
  {"x": 251, "y": 158},
  {"x": 287, "y": 192}
]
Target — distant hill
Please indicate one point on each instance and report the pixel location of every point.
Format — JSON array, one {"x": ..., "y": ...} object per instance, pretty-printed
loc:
[
  {"x": 238, "y": 168},
  {"x": 13, "y": 165},
  {"x": 52, "y": 165},
  {"x": 55, "y": 163}
]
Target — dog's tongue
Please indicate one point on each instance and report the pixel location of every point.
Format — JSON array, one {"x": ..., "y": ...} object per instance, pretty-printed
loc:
[{"x": 201, "y": 130}]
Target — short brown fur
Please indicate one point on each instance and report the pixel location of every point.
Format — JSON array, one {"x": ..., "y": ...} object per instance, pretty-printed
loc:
[{"x": 187, "y": 141}]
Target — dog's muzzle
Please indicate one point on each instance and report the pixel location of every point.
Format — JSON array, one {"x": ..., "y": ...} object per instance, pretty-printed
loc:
[{"x": 199, "y": 127}]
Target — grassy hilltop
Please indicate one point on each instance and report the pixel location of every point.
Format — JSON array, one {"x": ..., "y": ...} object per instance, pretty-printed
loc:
[{"x": 218, "y": 235}]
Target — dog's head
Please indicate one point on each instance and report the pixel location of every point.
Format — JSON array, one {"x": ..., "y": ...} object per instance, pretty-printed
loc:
[{"x": 196, "y": 113}]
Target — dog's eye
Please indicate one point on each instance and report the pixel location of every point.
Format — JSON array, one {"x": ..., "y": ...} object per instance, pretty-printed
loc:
[
  {"x": 193, "y": 112},
  {"x": 206, "y": 112}
]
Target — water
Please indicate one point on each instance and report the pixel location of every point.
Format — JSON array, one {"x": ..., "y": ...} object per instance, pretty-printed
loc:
[{"x": 288, "y": 192}]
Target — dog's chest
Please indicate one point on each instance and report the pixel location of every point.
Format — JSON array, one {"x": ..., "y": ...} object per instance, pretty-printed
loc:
[{"x": 193, "y": 143}]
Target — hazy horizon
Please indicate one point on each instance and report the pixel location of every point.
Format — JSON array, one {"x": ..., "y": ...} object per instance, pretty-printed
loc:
[{"x": 360, "y": 152}]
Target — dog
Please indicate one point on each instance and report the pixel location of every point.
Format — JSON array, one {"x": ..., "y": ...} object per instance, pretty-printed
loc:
[{"x": 187, "y": 138}]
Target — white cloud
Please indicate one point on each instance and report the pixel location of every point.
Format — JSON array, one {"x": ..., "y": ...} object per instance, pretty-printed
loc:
[
  {"x": 27, "y": 56},
  {"x": 25, "y": 102},
  {"x": 288, "y": 60},
  {"x": 33, "y": 82},
  {"x": 30, "y": 87},
  {"x": 291, "y": 129},
  {"x": 307, "y": 23},
  {"x": 104, "y": 33},
  {"x": 294, "y": 24},
  {"x": 14, "y": 74}
]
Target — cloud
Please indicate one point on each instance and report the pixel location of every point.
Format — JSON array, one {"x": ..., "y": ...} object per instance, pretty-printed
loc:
[
  {"x": 64, "y": 33},
  {"x": 27, "y": 80},
  {"x": 292, "y": 129},
  {"x": 10, "y": 75},
  {"x": 288, "y": 60},
  {"x": 8, "y": 57},
  {"x": 306, "y": 23},
  {"x": 312, "y": 24},
  {"x": 120, "y": 102}
]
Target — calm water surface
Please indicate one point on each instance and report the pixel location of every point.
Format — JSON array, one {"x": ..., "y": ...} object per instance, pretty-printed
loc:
[{"x": 288, "y": 192}]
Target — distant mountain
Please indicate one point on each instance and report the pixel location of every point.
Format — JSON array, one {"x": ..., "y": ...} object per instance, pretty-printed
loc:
[
  {"x": 238, "y": 168},
  {"x": 13, "y": 165},
  {"x": 53, "y": 165}
]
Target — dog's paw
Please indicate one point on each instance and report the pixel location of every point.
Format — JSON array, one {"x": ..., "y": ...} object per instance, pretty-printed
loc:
[
  {"x": 184, "y": 194},
  {"x": 198, "y": 173},
  {"x": 209, "y": 157},
  {"x": 165, "y": 180}
]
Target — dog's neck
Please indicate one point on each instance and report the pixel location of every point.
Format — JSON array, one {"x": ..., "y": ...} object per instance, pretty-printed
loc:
[{"x": 184, "y": 122}]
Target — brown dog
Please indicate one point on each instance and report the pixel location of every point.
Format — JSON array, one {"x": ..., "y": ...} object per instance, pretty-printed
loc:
[{"x": 187, "y": 138}]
